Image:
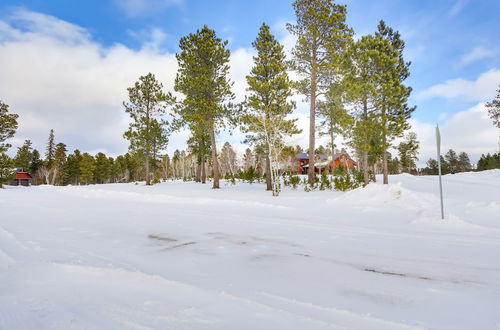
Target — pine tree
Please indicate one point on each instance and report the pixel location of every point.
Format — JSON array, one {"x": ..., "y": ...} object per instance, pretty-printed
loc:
[
  {"x": 392, "y": 103},
  {"x": 50, "y": 150},
  {"x": 87, "y": 168},
  {"x": 73, "y": 168},
  {"x": 452, "y": 160},
  {"x": 432, "y": 167},
  {"x": 146, "y": 133},
  {"x": 267, "y": 106},
  {"x": 362, "y": 82},
  {"x": 408, "y": 152},
  {"x": 24, "y": 155},
  {"x": 8, "y": 127},
  {"x": 336, "y": 120},
  {"x": 203, "y": 79},
  {"x": 322, "y": 38},
  {"x": 60, "y": 170},
  {"x": 35, "y": 165},
  {"x": 102, "y": 171},
  {"x": 464, "y": 164}
]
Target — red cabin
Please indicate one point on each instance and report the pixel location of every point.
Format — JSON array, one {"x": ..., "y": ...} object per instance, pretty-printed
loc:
[
  {"x": 22, "y": 178},
  {"x": 323, "y": 162}
]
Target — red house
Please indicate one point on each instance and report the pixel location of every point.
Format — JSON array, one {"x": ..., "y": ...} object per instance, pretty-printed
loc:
[
  {"x": 323, "y": 162},
  {"x": 22, "y": 178}
]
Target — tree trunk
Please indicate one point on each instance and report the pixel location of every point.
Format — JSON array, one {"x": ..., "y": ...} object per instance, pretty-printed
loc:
[
  {"x": 197, "y": 177},
  {"x": 332, "y": 167},
  {"x": 384, "y": 148},
  {"x": 374, "y": 172},
  {"x": 269, "y": 182},
  {"x": 366, "y": 175},
  {"x": 214, "y": 160},
  {"x": 146, "y": 164},
  {"x": 203, "y": 172},
  {"x": 312, "y": 120},
  {"x": 385, "y": 170}
]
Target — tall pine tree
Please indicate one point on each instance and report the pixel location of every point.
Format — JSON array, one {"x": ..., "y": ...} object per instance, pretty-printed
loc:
[
  {"x": 203, "y": 80},
  {"x": 322, "y": 38},
  {"x": 392, "y": 103},
  {"x": 146, "y": 133},
  {"x": 268, "y": 104}
]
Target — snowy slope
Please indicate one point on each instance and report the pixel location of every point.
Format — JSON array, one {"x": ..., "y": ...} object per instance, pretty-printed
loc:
[{"x": 182, "y": 256}]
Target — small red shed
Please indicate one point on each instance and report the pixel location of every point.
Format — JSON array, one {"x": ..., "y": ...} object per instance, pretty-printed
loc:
[{"x": 22, "y": 178}]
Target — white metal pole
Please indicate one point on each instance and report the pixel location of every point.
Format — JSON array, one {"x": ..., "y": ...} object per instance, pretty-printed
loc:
[{"x": 438, "y": 143}]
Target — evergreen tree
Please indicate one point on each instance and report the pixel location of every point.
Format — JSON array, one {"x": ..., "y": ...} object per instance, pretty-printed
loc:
[
  {"x": 336, "y": 120},
  {"x": 146, "y": 133},
  {"x": 432, "y": 167},
  {"x": 408, "y": 152},
  {"x": 268, "y": 105},
  {"x": 60, "y": 170},
  {"x": 87, "y": 168},
  {"x": 488, "y": 162},
  {"x": 445, "y": 167},
  {"x": 393, "y": 165},
  {"x": 51, "y": 150},
  {"x": 362, "y": 81},
  {"x": 24, "y": 156},
  {"x": 103, "y": 168},
  {"x": 452, "y": 160},
  {"x": 203, "y": 79},
  {"x": 73, "y": 167},
  {"x": 35, "y": 165},
  {"x": 8, "y": 127},
  {"x": 391, "y": 104},
  {"x": 322, "y": 37},
  {"x": 464, "y": 164}
]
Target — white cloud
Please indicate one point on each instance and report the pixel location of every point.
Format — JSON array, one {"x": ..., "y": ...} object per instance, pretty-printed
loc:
[
  {"x": 481, "y": 89},
  {"x": 476, "y": 54},
  {"x": 55, "y": 76},
  {"x": 470, "y": 131},
  {"x": 134, "y": 8}
]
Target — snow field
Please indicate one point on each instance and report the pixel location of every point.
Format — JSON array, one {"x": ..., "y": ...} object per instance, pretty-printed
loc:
[{"x": 182, "y": 256}]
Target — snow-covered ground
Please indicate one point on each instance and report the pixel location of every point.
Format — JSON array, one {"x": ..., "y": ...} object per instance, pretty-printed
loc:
[{"x": 182, "y": 256}]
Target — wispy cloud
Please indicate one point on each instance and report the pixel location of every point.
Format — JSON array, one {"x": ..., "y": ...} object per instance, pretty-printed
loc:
[{"x": 476, "y": 54}]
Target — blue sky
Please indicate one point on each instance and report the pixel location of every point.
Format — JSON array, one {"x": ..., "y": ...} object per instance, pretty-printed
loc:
[{"x": 454, "y": 45}]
